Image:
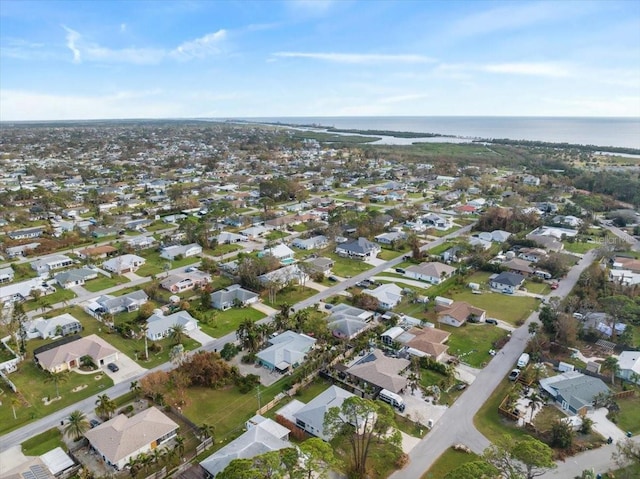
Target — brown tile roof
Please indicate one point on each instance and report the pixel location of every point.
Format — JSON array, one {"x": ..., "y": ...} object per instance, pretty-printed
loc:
[
  {"x": 459, "y": 310},
  {"x": 91, "y": 345}
]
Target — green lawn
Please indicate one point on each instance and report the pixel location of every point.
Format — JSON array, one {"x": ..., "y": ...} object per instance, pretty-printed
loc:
[
  {"x": 156, "y": 265},
  {"x": 222, "y": 249},
  {"x": 29, "y": 379},
  {"x": 629, "y": 416},
  {"x": 134, "y": 348},
  {"x": 472, "y": 342},
  {"x": 227, "y": 409},
  {"x": 49, "y": 299},
  {"x": 579, "y": 247},
  {"x": 276, "y": 235},
  {"x": 22, "y": 272},
  {"x": 290, "y": 295},
  {"x": 312, "y": 390},
  {"x": 346, "y": 267},
  {"x": 537, "y": 288},
  {"x": 447, "y": 462},
  {"x": 441, "y": 248},
  {"x": 490, "y": 423},
  {"x": 219, "y": 323},
  {"x": 387, "y": 254},
  {"x": 103, "y": 282},
  {"x": 43, "y": 442},
  {"x": 502, "y": 306}
]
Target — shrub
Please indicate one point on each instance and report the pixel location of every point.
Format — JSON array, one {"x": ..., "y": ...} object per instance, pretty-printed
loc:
[
  {"x": 249, "y": 358},
  {"x": 247, "y": 383},
  {"x": 155, "y": 348},
  {"x": 228, "y": 351}
]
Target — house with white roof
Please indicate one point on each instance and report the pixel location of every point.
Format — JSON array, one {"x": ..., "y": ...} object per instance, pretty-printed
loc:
[
  {"x": 433, "y": 273},
  {"x": 262, "y": 435},
  {"x": 50, "y": 263},
  {"x": 315, "y": 242},
  {"x": 629, "y": 364},
  {"x": 226, "y": 237},
  {"x": 282, "y": 252},
  {"x": 66, "y": 355},
  {"x": 310, "y": 417},
  {"x": 61, "y": 325},
  {"x": 121, "y": 438},
  {"x": 185, "y": 281},
  {"x": 286, "y": 351},
  {"x": 388, "y": 295},
  {"x": 6, "y": 275},
  {"x": 286, "y": 275},
  {"x": 231, "y": 296},
  {"x": 159, "y": 326},
  {"x": 254, "y": 232},
  {"x": 107, "y": 304},
  {"x": 10, "y": 293},
  {"x": 126, "y": 263},
  {"x": 184, "y": 251}
]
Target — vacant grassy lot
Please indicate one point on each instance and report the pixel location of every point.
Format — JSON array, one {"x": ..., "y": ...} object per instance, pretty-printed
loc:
[
  {"x": 156, "y": 265},
  {"x": 43, "y": 442},
  {"x": 222, "y": 249},
  {"x": 447, "y": 462},
  {"x": 387, "y": 254},
  {"x": 346, "y": 267},
  {"x": 579, "y": 247},
  {"x": 629, "y": 416},
  {"x": 537, "y": 288},
  {"x": 102, "y": 282},
  {"x": 45, "y": 301},
  {"x": 276, "y": 235},
  {"x": 29, "y": 379},
  {"x": 471, "y": 342},
  {"x": 502, "y": 306},
  {"x": 219, "y": 323},
  {"x": 290, "y": 295}
]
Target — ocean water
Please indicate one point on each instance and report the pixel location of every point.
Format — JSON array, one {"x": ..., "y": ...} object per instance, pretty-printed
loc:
[{"x": 617, "y": 132}]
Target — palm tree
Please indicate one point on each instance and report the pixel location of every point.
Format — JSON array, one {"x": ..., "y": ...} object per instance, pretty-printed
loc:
[
  {"x": 105, "y": 407},
  {"x": 144, "y": 329},
  {"x": 77, "y": 426},
  {"x": 177, "y": 333},
  {"x": 135, "y": 388},
  {"x": 533, "y": 328},
  {"x": 56, "y": 379},
  {"x": 535, "y": 402},
  {"x": 133, "y": 466},
  {"x": 611, "y": 364},
  {"x": 247, "y": 334},
  {"x": 413, "y": 382},
  {"x": 207, "y": 430},
  {"x": 179, "y": 444},
  {"x": 15, "y": 401}
]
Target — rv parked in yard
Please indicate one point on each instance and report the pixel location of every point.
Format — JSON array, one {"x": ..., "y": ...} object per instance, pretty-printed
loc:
[
  {"x": 523, "y": 360},
  {"x": 392, "y": 398}
]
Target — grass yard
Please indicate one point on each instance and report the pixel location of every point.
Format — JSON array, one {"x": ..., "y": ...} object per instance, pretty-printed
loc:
[
  {"x": 471, "y": 343},
  {"x": 290, "y": 295},
  {"x": 511, "y": 309},
  {"x": 579, "y": 247},
  {"x": 103, "y": 282},
  {"x": 156, "y": 265},
  {"x": 490, "y": 423},
  {"x": 546, "y": 417},
  {"x": 226, "y": 409},
  {"x": 222, "y": 249},
  {"x": 22, "y": 271},
  {"x": 43, "y": 442},
  {"x": 447, "y": 462},
  {"x": 219, "y": 323},
  {"x": 312, "y": 390},
  {"x": 388, "y": 254},
  {"x": 49, "y": 299},
  {"x": 346, "y": 267},
  {"x": 629, "y": 415},
  {"x": 537, "y": 288},
  {"x": 276, "y": 235},
  {"x": 414, "y": 429},
  {"x": 29, "y": 379}
]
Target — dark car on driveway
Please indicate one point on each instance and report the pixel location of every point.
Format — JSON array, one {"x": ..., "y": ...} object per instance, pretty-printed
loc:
[
  {"x": 491, "y": 321},
  {"x": 112, "y": 367},
  {"x": 94, "y": 422}
]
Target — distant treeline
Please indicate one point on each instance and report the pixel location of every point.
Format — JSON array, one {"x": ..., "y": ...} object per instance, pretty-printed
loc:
[
  {"x": 396, "y": 134},
  {"x": 565, "y": 146}
]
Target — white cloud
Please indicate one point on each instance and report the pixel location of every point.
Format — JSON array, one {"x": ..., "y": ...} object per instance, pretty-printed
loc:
[
  {"x": 83, "y": 50},
  {"x": 534, "y": 69},
  {"x": 357, "y": 58},
  {"x": 200, "y": 47}
]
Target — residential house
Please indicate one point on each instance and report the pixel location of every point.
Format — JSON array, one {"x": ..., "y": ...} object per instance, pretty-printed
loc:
[
  {"x": 49, "y": 263},
  {"x": 262, "y": 435},
  {"x": 11, "y": 293},
  {"x": 458, "y": 313},
  {"x": 159, "y": 326},
  {"x": 61, "y": 325},
  {"x": 629, "y": 366},
  {"x": 506, "y": 282},
  {"x": 439, "y": 222},
  {"x": 476, "y": 241},
  {"x": 282, "y": 252},
  {"x": 286, "y": 351},
  {"x": 284, "y": 276},
  {"x": 554, "y": 231},
  {"x": 500, "y": 236},
  {"x": 320, "y": 265},
  {"x": 225, "y": 237},
  {"x": 104, "y": 231},
  {"x": 530, "y": 180},
  {"x": 232, "y": 296},
  {"x": 388, "y": 295},
  {"x": 75, "y": 277},
  {"x": 183, "y": 251},
  {"x": 126, "y": 263},
  {"x": 517, "y": 265},
  {"x": 434, "y": 273},
  {"x": 20, "y": 250},
  {"x": 574, "y": 391},
  {"x": 141, "y": 242},
  {"x": 418, "y": 342},
  {"x": 64, "y": 355},
  {"x": 380, "y": 371},
  {"x": 185, "y": 281},
  {"x": 26, "y": 233},
  {"x": 254, "y": 232},
  {"x": 6, "y": 275},
  {"x": 316, "y": 242},
  {"x": 452, "y": 254},
  {"x": 96, "y": 252},
  {"x": 391, "y": 237},
  {"x": 107, "y": 304},
  {"x": 122, "y": 438},
  {"x": 547, "y": 242},
  {"x": 310, "y": 417},
  {"x": 361, "y": 249},
  {"x": 347, "y": 322},
  {"x": 532, "y": 255}
]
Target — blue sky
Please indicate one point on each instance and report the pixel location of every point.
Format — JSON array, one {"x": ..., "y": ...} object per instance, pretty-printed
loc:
[{"x": 177, "y": 59}]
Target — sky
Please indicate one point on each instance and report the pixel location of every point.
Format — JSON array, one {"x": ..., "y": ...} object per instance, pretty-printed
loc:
[{"x": 239, "y": 59}]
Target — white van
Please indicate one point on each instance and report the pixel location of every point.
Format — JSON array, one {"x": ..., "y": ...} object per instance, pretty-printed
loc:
[
  {"x": 523, "y": 360},
  {"x": 392, "y": 398}
]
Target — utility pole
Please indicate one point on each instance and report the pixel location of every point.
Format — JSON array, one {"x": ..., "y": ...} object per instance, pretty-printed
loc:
[{"x": 258, "y": 394}]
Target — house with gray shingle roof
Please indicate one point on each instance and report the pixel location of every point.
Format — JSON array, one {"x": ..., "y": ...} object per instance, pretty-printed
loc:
[
  {"x": 75, "y": 277},
  {"x": 506, "y": 282},
  {"x": 286, "y": 351},
  {"x": 361, "y": 248},
  {"x": 573, "y": 390},
  {"x": 311, "y": 416},
  {"x": 231, "y": 296}
]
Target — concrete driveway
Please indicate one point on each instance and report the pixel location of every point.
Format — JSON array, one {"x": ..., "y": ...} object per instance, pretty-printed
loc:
[
  {"x": 420, "y": 410},
  {"x": 128, "y": 369},
  {"x": 605, "y": 427},
  {"x": 200, "y": 336}
]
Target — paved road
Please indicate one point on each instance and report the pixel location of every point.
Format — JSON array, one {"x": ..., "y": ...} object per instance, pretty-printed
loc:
[
  {"x": 635, "y": 244},
  {"x": 456, "y": 425},
  {"x": 88, "y": 405}
]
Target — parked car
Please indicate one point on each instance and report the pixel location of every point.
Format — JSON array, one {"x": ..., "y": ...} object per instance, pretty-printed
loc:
[
  {"x": 400, "y": 270},
  {"x": 514, "y": 375},
  {"x": 491, "y": 321},
  {"x": 94, "y": 422},
  {"x": 332, "y": 279},
  {"x": 554, "y": 286},
  {"x": 113, "y": 367}
]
